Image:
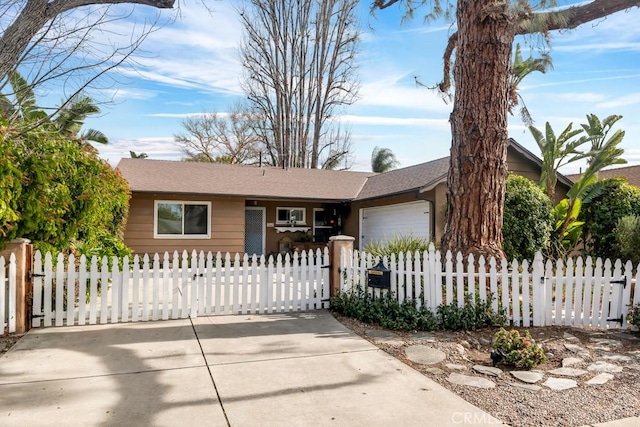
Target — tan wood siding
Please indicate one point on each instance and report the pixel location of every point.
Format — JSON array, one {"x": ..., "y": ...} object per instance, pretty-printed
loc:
[{"x": 227, "y": 226}]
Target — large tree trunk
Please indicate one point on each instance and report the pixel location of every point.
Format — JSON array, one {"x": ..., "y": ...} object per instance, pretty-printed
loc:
[{"x": 478, "y": 165}]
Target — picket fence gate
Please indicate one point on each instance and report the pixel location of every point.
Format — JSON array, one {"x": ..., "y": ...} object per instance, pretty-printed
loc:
[
  {"x": 92, "y": 291},
  {"x": 579, "y": 293},
  {"x": 8, "y": 294}
]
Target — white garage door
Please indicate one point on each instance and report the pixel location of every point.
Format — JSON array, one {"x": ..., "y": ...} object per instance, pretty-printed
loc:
[{"x": 384, "y": 222}]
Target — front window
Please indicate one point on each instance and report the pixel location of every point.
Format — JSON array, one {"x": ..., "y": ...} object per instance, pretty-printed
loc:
[
  {"x": 291, "y": 216},
  {"x": 189, "y": 220}
]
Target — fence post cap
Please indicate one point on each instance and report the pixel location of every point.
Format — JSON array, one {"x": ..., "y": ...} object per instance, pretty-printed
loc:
[
  {"x": 342, "y": 238},
  {"x": 20, "y": 240}
]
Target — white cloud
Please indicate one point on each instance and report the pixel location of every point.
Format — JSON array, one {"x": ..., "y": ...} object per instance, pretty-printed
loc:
[
  {"x": 391, "y": 92},
  {"x": 131, "y": 93},
  {"x": 395, "y": 121},
  {"x": 630, "y": 99}
]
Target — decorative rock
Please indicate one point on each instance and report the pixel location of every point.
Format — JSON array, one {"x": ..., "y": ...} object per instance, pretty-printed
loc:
[
  {"x": 574, "y": 348},
  {"x": 560, "y": 383},
  {"x": 568, "y": 336},
  {"x": 435, "y": 371},
  {"x": 484, "y": 341},
  {"x": 568, "y": 372},
  {"x": 465, "y": 344},
  {"x": 487, "y": 370},
  {"x": 617, "y": 357},
  {"x": 384, "y": 337},
  {"x": 424, "y": 355},
  {"x": 606, "y": 341},
  {"x": 423, "y": 337},
  {"x": 470, "y": 381},
  {"x": 600, "y": 379},
  {"x": 527, "y": 376},
  {"x": 460, "y": 349},
  {"x": 601, "y": 366},
  {"x": 455, "y": 367},
  {"x": 528, "y": 387},
  {"x": 570, "y": 361}
]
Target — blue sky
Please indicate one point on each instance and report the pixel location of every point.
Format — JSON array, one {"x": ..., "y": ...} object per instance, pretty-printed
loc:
[{"x": 192, "y": 66}]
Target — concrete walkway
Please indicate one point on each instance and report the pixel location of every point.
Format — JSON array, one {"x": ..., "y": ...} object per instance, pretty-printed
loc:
[{"x": 270, "y": 370}]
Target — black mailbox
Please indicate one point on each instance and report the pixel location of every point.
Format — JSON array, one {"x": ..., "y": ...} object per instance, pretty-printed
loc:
[{"x": 379, "y": 277}]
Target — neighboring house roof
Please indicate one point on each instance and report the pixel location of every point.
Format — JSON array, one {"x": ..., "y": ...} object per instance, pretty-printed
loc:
[
  {"x": 162, "y": 176},
  {"x": 631, "y": 173},
  {"x": 406, "y": 179}
]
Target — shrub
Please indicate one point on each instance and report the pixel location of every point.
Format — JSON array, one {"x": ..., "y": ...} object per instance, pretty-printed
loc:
[
  {"x": 528, "y": 218},
  {"x": 385, "y": 310},
  {"x": 633, "y": 316},
  {"x": 519, "y": 349},
  {"x": 399, "y": 243},
  {"x": 615, "y": 199},
  {"x": 627, "y": 234},
  {"x": 474, "y": 314}
]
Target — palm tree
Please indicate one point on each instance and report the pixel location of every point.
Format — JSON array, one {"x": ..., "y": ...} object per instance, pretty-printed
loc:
[
  {"x": 557, "y": 151},
  {"x": 135, "y": 155},
  {"x": 383, "y": 160},
  {"x": 519, "y": 70},
  {"x": 23, "y": 112},
  {"x": 598, "y": 130}
]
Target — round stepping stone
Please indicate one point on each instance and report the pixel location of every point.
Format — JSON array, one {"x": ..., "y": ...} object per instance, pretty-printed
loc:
[
  {"x": 570, "y": 361},
  {"x": 601, "y": 366},
  {"x": 568, "y": 372},
  {"x": 384, "y": 337},
  {"x": 487, "y": 370},
  {"x": 606, "y": 341},
  {"x": 470, "y": 381},
  {"x": 435, "y": 371},
  {"x": 424, "y": 355},
  {"x": 600, "y": 379},
  {"x": 527, "y": 376},
  {"x": 423, "y": 337},
  {"x": 455, "y": 367},
  {"x": 568, "y": 336},
  {"x": 617, "y": 357},
  {"x": 528, "y": 387},
  {"x": 574, "y": 348},
  {"x": 560, "y": 383}
]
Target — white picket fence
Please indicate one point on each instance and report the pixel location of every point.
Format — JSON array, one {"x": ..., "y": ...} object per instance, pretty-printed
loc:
[
  {"x": 145, "y": 288},
  {"x": 8, "y": 294},
  {"x": 580, "y": 293}
]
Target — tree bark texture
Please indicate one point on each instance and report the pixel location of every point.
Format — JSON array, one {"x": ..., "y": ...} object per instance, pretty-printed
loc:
[
  {"x": 35, "y": 15},
  {"x": 478, "y": 163}
]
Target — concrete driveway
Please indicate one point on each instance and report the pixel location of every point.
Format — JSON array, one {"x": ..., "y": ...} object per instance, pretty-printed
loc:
[{"x": 270, "y": 370}]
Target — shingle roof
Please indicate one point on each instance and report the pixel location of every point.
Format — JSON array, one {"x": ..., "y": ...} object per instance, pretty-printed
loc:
[
  {"x": 405, "y": 179},
  {"x": 163, "y": 176},
  {"x": 631, "y": 173}
]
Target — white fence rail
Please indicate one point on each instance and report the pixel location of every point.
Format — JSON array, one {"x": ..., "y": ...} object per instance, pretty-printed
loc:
[
  {"x": 83, "y": 291},
  {"x": 8, "y": 294},
  {"x": 580, "y": 293}
]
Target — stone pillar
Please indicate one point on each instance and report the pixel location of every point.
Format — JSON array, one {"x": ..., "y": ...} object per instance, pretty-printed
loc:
[
  {"x": 336, "y": 244},
  {"x": 24, "y": 291}
]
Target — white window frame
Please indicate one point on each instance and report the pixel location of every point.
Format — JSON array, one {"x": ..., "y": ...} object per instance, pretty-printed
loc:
[
  {"x": 181, "y": 236},
  {"x": 302, "y": 222}
]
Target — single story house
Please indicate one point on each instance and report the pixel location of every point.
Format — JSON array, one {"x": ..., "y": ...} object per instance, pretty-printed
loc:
[{"x": 264, "y": 210}]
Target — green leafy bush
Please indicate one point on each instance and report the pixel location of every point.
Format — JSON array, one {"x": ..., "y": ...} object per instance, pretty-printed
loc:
[
  {"x": 633, "y": 316},
  {"x": 384, "y": 310},
  {"x": 528, "y": 218},
  {"x": 615, "y": 199},
  {"x": 519, "y": 349},
  {"x": 399, "y": 243},
  {"x": 473, "y": 314},
  {"x": 627, "y": 234}
]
